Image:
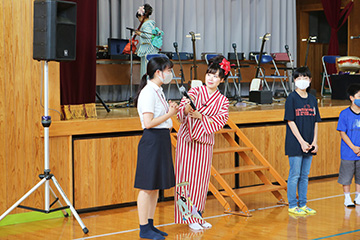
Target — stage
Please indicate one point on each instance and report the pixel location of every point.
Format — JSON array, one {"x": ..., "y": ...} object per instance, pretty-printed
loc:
[
  {"x": 125, "y": 119},
  {"x": 101, "y": 153}
]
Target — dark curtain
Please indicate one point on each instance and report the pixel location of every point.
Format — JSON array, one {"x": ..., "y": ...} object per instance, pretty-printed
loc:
[
  {"x": 336, "y": 18},
  {"x": 78, "y": 78}
]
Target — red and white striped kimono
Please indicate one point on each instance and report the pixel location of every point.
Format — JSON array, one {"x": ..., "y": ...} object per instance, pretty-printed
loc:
[{"x": 194, "y": 149}]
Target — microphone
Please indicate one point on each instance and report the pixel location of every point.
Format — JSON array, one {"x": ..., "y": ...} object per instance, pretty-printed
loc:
[
  {"x": 287, "y": 48},
  {"x": 183, "y": 91},
  {"x": 234, "y": 45},
  {"x": 355, "y": 37},
  {"x": 175, "y": 44}
]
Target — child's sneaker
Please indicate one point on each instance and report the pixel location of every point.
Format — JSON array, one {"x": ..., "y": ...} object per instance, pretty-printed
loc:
[
  {"x": 297, "y": 210},
  {"x": 357, "y": 200},
  {"x": 348, "y": 203},
  {"x": 308, "y": 210}
]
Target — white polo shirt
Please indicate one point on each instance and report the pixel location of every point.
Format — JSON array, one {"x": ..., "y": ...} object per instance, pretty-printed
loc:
[{"x": 152, "y": 100}]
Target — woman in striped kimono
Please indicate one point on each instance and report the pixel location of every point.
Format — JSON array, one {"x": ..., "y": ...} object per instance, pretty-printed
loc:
[
  {"x": 147, "y": 26},
  {"x": 195, "y": 143}
]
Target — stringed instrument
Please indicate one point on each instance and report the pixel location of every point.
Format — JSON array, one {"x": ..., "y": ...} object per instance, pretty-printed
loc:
[
  {"x": 289, "y": 56},
  {"x": 131, "y": 45},
  {"x": 309, "y": 40},
  {"x": 292, "y": 67},
  {"x": 194, "y": 36},
  {"x": 238, "y": 72},
  {"x": 182, "y": 89},
  {"x": 256, "y": 83},
  {"x": 175, "y": 44}
]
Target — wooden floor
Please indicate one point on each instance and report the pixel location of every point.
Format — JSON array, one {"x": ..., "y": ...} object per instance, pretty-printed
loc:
[{"x": 269, "y": 221}]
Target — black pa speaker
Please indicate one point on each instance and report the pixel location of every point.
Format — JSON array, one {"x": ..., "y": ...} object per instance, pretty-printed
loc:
[
  {"x": 54, "y": 30},
  {"x": 260, "y": 97}
]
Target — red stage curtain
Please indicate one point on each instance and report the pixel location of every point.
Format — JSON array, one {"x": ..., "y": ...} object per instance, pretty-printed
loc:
[
  {"x": 78, "y": 78},
  {"x": 334, "y": 16}
]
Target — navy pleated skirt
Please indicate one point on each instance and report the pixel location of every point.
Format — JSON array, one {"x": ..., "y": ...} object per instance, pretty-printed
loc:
[{"x": 154, "y": 168}]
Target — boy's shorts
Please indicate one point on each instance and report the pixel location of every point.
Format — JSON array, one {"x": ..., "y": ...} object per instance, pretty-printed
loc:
[{"x": 349, "y": 168}]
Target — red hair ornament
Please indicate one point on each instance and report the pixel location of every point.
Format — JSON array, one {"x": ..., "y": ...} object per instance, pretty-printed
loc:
[{"x": 225, "y": 65}]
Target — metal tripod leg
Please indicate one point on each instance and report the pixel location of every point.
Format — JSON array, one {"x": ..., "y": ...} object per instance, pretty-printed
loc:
[
  {"x": 76, "y": 215},
  {"x": 85, "y": 230},
  {"x": 58, "y": 202},
  {"x": 23, "y": 198}
]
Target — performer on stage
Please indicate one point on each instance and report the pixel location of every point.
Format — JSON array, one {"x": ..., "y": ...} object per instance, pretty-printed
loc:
[
  {"x": 195, "y": 141},
  {"x": 145, "y": 45},
  {"x": 154, "y": 169}
]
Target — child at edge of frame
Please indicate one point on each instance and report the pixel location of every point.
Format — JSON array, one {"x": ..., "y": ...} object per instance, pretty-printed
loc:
[{"x": 349, "y": 129}]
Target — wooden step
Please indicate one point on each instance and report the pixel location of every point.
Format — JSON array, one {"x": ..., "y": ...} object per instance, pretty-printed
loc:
[
  {"x": 231, "y": 149},
  {"x": 255, "y": 189},
  {"x": 242, "y": 169},
  {"x": 226, "y": 130}
]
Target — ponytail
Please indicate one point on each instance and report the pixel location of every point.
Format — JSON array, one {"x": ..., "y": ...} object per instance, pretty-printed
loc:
[{"x": 142, "y": 84}]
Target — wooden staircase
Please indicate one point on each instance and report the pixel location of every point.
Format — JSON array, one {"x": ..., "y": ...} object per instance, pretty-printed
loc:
[{"x": 227, "y": 190}]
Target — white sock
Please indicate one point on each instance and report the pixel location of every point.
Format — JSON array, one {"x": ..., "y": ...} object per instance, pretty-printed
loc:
[
  {"x": 206, "y": 225},
  {"x": 357, "y": 199},
  {"x": 195, "y": 226},
  {"x": 348, "y": 201},
  {"x": 356, "y": 194}
]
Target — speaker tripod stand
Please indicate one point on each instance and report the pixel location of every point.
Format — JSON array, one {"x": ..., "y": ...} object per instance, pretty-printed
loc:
[{"x": 47, "y": 176}]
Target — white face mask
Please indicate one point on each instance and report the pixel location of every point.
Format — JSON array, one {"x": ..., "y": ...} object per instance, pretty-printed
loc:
[
  {"x": 302, "y": 84},
  {"x": 167, "y": 78}
]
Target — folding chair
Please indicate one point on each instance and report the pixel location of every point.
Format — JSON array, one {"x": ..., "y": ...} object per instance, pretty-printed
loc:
[
  {"x": 276, "y": 75},
  {"x": 231, "y": 75},
  {"x": 149, "y": 56},
  {"x": 330, "y": 59}
]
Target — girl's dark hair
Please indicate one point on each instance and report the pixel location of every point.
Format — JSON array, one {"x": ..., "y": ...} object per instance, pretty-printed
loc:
[
  {"x": 302, "y": 71},
  {"x": 305, "y": 72},
  {"x": 214, "y": 66},
  {"x": 353, "y": 89},
  {"x": 148, "y": 11},
  {"x": 155, "y": 63}
]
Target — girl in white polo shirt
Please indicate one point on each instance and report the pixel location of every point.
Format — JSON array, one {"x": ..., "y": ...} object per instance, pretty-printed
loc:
[{"x": 154, "y": 169}]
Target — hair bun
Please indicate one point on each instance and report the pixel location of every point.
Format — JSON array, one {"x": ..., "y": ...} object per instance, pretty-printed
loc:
[{"x": 148, "y": 9}]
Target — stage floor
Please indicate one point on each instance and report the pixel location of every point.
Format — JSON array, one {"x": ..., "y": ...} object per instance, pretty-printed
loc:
[{"x": 122, "y": 118}]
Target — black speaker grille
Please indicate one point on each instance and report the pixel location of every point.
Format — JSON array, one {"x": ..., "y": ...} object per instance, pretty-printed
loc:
[
  {"x": 54, "y": 30},
  {"x": 65, "y": 42}
]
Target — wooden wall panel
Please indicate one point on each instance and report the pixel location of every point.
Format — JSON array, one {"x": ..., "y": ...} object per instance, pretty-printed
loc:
[
  {"x": 354, "y": 30},
  {"x": 22, "y": 149},
  {"x": 105, "y": 167},
  {"x": 9, "y": 103},
  {"x": 3, "y": 175},
  {"x": 270, "y": 142},
  {"x": 18, "y": 97},
  {"x": 104, "y": 171}
]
